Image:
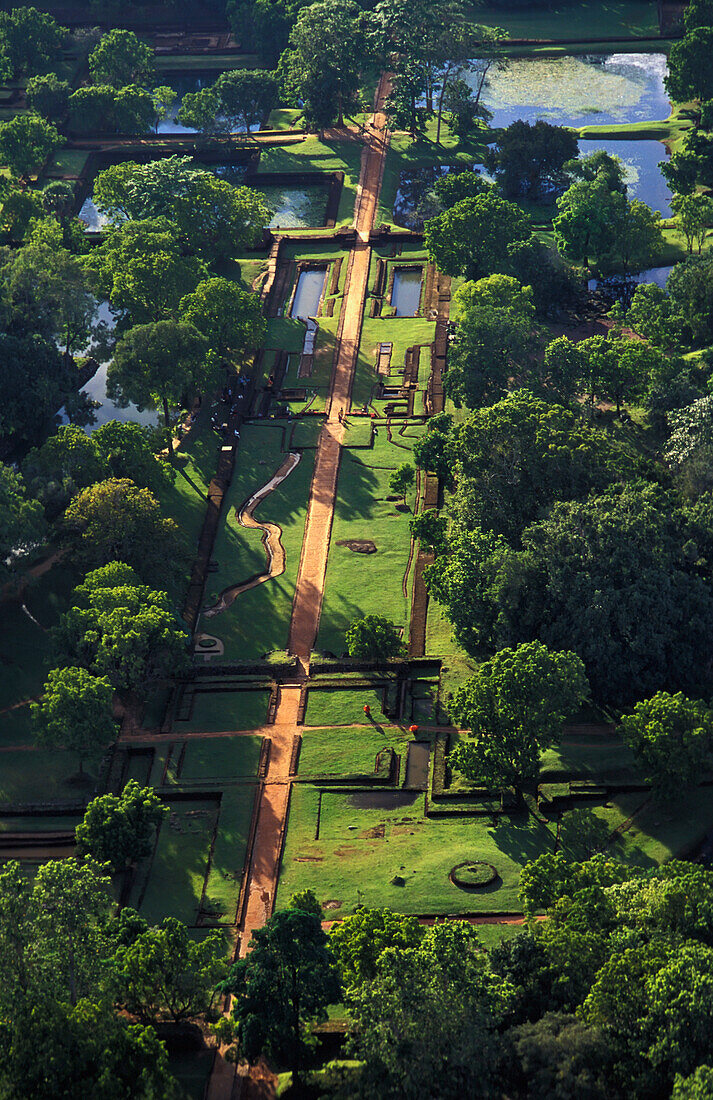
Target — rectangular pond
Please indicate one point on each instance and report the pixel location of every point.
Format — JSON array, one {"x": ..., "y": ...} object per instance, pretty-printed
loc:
[
  {"x": 308, "y": 293},
  {"x": 300, "y": 207},
  {"x": 586, "y": 90},
  {"x": 406, "y": 291}
]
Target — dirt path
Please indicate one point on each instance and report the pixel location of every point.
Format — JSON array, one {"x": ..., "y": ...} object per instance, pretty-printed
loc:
[
  {"x": 272, "y": 819},
  {"x": 271, "y": 539}
]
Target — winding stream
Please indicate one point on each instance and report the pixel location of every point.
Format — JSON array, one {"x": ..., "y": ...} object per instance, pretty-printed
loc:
[{"x": 271, "y": 538}]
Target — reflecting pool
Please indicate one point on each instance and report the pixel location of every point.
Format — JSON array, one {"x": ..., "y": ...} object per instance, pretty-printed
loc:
[
  {"x": 308, "y": 293},
  {"x": 406, "y": 292}
]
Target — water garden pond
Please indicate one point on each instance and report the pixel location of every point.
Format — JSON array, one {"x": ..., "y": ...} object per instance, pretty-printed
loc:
[
  {"x": 643, "y": 175},
  {"x": 308, "y": 293},
  {"x": 300, "y": 206},
  {"x": 587, "y": 90},
  {"x": 183, "y": 83},
  {"x": 406, "y": 293}
]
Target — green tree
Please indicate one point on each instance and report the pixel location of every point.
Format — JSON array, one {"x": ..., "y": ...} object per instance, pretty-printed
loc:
[
  {"x": 515, "y": 705},
  {"x": 433, "y": 451},
  {"x": 123, "y": 630},
  {"x": 31, "y": 40},
  {"x": 200, "y": 111},
  {"x": 560, "y": 1057},
  {"x": 142, "y": 269},
  {"x": 374, "y": 638},
  {"x": 246, "y": 96},
  {"x": 306, "y": 900},
  {"x": 230, "y": 318},
  {"x": 517, "y": 457},
  {"x": 690, "y": 292},
  {"x": 697, "y": 1086},
  {"x": 358, "y": 941},
  {"x": 91, "y": 108},
  {"x": 163, "y": 98},
  {"x": 160, "y": 363},
  {"x": 599, "y": 165},
  {"x": 638, "y": 237},
  {"x": 689, "y": 449},
  {"x": 75, "y": 713},
  {"x": 328, "y": 48},
  {"x": 529, "y": 159},
  {"x": 120, "y": 829},
  {"x": 493, "y": 341},
  {"x": 286, "y": 982},
  {"x": 681, "y": 172},
  {"x": 689, "y": 73},
  {"x": 164, "y": 973},
  {"x": 426, "y": 1025},
  {"x": 211, "y": 217},
  {"x": 587, "y": 219},
  {"x": 401, "y": 479},
  {"x": 115, "y": 520},
  {"x": 134, "y": 110},
  {"x": 66, "y": 461},
  {"x": 582, "y": 834},
  {"x": 26, "y": 141},
  {"x": 48, "y": 96},
  {"x": 430, "y": 529},
  {"x": 453, "y": 187},
  {"x": 86, "y": 1051},
  {"x": 673, "y": 738},
  {"x": 121, "y": 58},
  {"x": 21, "y": 523},
  {"x": 473, "y": 238},
  {"x": 616, "y": 577},
  {"x": 694, "y": 217}
]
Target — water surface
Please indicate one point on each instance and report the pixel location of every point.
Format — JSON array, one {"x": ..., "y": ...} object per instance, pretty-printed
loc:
[
  {"x": 308, "y": 293},
  {"x": 586, "y": 90},
  {"x": 643, "y": 175},
  {"x": 406, "y": 293}
]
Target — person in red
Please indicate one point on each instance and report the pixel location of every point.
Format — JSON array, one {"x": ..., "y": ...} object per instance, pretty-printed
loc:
[
  {"x": 413, "y": 729},
  {"x": 367, "y": 709}
]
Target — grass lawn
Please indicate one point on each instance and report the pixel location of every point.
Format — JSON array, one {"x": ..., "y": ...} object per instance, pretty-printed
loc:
[
  {"x": 658, "y": 833},
  {"x": 192, "y": 1069},
  {"x": 361, "y": 584},
  {"x": 16, "y": 727},
  {"x": 43, "y": 775},
  {"x": 353, "y": 862},
  {"x": 346, "y": 751},
  {"x": 39, "y": 823},
  {"x": 67, "y": 162},
  {"x": 610, "y": 760},
  {"x": 230, "y": 850},
  {"x": 312, "y": 155},
  {"x": 258, "y": 620},
  {"x": 180, "y": 863},
  {"x": 588, "y": 19},
  {"x": 235, "y": 710},
  {"x": 222, "y": 758},
  {"x": 185, "y": 500},
  {"x": 332, "y": 707}
]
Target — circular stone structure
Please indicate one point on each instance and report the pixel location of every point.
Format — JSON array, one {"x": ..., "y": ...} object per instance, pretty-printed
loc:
[{"x": 473, "y": 874}]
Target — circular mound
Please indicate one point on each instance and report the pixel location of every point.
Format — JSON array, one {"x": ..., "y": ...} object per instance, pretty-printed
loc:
[
  {"x": 473, "y": 875},
  {"x": 358, "y": 546},
  {"x": 207, "y": 643}
]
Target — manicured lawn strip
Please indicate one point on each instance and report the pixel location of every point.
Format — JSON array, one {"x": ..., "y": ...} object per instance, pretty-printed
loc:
[
  {"x": 611, "y": 760},
  {"x": 175, "y": 884},
  {"x": 331, "y": 707},
  {"x": 659, "y": 833},
  {"x": 230, "y": 849},
  {"x": 312, "y": 155},
  {"x": 221, "y": 758},
  {"x": 214, "y": 712},
  {"x": 67, "y": 162},
  {"x": 361, "y": 584},
  {"x": 38, "y": 823},
  {"x": 185, "y": 500},
  {"x": 348, "y": 867},
  {"x": 172, "y": 63},
  {"x": 258, "y": 621},
  {"x": 348, "y": 750},
  {"x": 587, "y": 19},
  {"x": 42, "y": 776}
]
